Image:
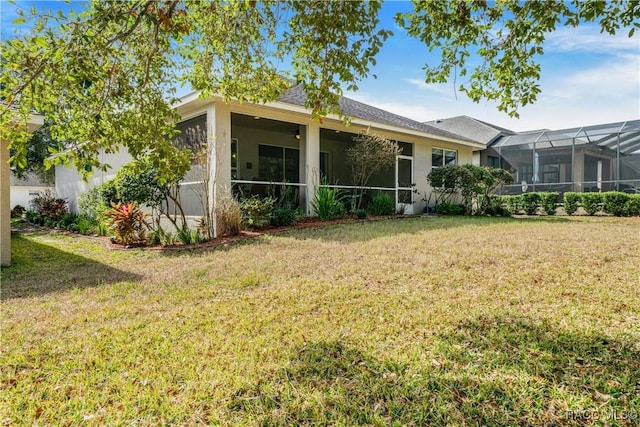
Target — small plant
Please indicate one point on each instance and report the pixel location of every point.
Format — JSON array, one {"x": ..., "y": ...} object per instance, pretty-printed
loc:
[
  {"x": 102, "y": 229},
  {"x": 328, "y": 203},
  {"x": 613, "y": 202},
  {"x": 449, "y": 209},
  {"x": 168, "y": 239},
  {"x": 49, "y": 206},
  {"x": 591, "y": 202},
  {"x": 18, "y": 211},
  {"x": 283, "y": 217},
  {"x": 571, "y": 202},
  {"x": 382, "y": 204},
  {"x": 189, "y": 237},
  {"x": 361, "y": 214},
  {"x": 530, "y": 202},
  {"x": 498, "y": 206},
  {"x": 67, "y": 221},
  {"x": 86, "y": 225},
  {"x": 549, "y": 201},
  {"x": 256, "y": 211},
  {"x": 228, "y": 215},
  {"x": 128, "y": 222},
  {"x": 33, "y": 217}
]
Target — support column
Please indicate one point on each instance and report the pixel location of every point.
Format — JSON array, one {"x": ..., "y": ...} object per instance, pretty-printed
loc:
[
  {"x": 219, "y": 133},
  {"x": 5, "y": 205},
  {"x": 312, "y": 160}
]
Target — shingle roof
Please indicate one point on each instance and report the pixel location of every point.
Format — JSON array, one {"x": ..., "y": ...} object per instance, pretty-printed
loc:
[
  {"x": 355, "y": 109},
  {"x": 471, "y": 128}
]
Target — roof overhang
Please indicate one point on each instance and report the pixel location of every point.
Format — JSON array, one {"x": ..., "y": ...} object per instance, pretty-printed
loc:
[{"x": 192, "y": 102}]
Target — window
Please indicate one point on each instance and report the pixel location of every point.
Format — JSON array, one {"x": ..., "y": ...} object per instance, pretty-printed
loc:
[
  {"x": 234, "y": 158},
  {"x": 442, "y": 157},
  {"x": 493, "y": 161},
  {"x": 278, "y": 164},
  {"x": 325, "y": 163}
]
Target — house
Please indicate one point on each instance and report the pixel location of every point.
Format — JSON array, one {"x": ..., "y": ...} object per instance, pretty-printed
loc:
[
  {"x": 278, "y": 147},
  {"x": 26, "y": 188},
  {"x": 590, "y": 158}
]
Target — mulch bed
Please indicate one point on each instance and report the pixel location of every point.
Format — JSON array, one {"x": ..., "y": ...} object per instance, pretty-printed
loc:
[{"x": 308, "y": 222}]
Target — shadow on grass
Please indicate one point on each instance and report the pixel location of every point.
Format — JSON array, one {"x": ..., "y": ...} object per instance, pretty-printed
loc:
[
  {"x": 495, "y": 371},
  {"x": 40, "y": 269}
]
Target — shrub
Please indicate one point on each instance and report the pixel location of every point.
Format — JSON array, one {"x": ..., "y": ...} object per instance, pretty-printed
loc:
[
  {"x": 92, "y": 205},
  {"x": 498, "y": 206},
  {"x": 382, "y": 204},
  {"x": 18, "y": 211},
  {"x": 256, "y": 211},
  {"x": 530, "y": 202},
  {"x": 68, "y": 221},
  {"x": 328, "y": 203},
  {"x": 282, "y": 217},
  {"x": 128, "y": 222},
  {"x": 102, "y": 228},
  {"x": 549, "y": 201},
  {"x": 361, "y": 214},
  {"x": 449, "y": 209},
  {"x": 632, "y": 206},
  {"x": 228, "y": 215},
  {"x": 86, "y": 225},
  {"x": 613, "y": 202},
  {"x": 571, "y": 202},
  {"x": 591, "y": 202},
  {"x": 514, "y": 203},
  {"x": 33, "y": 217},
  {"x": 49, "y": 206}
]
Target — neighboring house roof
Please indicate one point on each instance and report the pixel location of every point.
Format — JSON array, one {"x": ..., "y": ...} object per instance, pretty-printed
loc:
[
  {"x": 353, "y": 108},
  {"x": 29, "y": 180},
  {"x": 473, "y": 129}
]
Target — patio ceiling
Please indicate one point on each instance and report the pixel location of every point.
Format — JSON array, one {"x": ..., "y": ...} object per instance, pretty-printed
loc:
[{"x": 605, "y": 136}]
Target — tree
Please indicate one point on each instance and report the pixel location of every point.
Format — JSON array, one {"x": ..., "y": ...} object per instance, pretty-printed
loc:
[
  {"x": 507, "y": 36},
  {"x": 39, "y": 147},
  {"x": 106, "y": 77},
  {"x": 369, "y": 155}
]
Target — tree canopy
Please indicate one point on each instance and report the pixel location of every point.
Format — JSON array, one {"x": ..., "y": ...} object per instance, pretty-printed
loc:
[{"x": 106, "y": 77}]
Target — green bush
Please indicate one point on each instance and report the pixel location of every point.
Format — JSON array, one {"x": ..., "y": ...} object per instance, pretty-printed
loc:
[
  {"x": 514, "y": 203},
  {"x": 129, "y": 223},
  {"x": 530, "y": 203},
  {"x": 189, "y": 237},
  {"x": 17, "y": 211},
  {"x": 591, "y": 202},
  {"x": 632, "y": 206},
  {"x": 361, "y": 214},
  {"x": 256, "y": 211},
  {"x": 498, "y": 206},
  {"x": 449, "y": 209},
  {"x": 92, "y": 205},
  {"x": 328, "y": 203},
  {"x": 33, "y": 217},
  {"x": 382, "y": 204},
  {"x": 613, "y": 202},
  {"x": 549, "y": 200},
  {"x": 86, "y": 225},
  {"x": 68, "y": 221},
  {"x": 571, "y": 202},
  {"x": 282, "y": 217},
  {"x": 49, "y": 206}
]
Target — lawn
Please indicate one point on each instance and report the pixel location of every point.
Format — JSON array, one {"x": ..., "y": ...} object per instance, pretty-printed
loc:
[{"x": 422, "y": 321}]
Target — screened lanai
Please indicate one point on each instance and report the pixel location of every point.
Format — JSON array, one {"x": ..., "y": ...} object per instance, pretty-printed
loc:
[{"x": 591, "y": 158}]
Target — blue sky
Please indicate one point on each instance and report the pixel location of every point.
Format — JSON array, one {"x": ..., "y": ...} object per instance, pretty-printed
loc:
[{"x": 587, "y": 77}]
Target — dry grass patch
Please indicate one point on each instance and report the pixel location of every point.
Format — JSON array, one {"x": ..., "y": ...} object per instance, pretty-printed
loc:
[{"x": 414, "y": 322}]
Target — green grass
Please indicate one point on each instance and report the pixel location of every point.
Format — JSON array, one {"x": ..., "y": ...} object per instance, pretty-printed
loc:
[{"x": 425, "y": 321}]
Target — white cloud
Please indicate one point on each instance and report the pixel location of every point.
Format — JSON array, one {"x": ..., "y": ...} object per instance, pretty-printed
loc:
[
  {"x": 587, "y": 38},
  {"x": 446, "y": 89}
]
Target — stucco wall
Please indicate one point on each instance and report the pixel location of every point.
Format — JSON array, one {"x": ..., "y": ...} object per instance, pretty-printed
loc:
[
  {"x": 22, "y": 195},
  {"x": 69, "y": 184}
]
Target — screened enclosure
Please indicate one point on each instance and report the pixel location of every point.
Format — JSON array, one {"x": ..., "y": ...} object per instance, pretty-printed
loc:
[{"x": 590, "y": 158}]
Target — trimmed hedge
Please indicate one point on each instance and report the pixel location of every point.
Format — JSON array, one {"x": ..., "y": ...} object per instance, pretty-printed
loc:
[{"x": 611, "y": 202}]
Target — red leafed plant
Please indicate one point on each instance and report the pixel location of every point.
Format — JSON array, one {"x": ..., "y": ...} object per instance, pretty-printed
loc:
[{"x": 128, "y": 222}]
